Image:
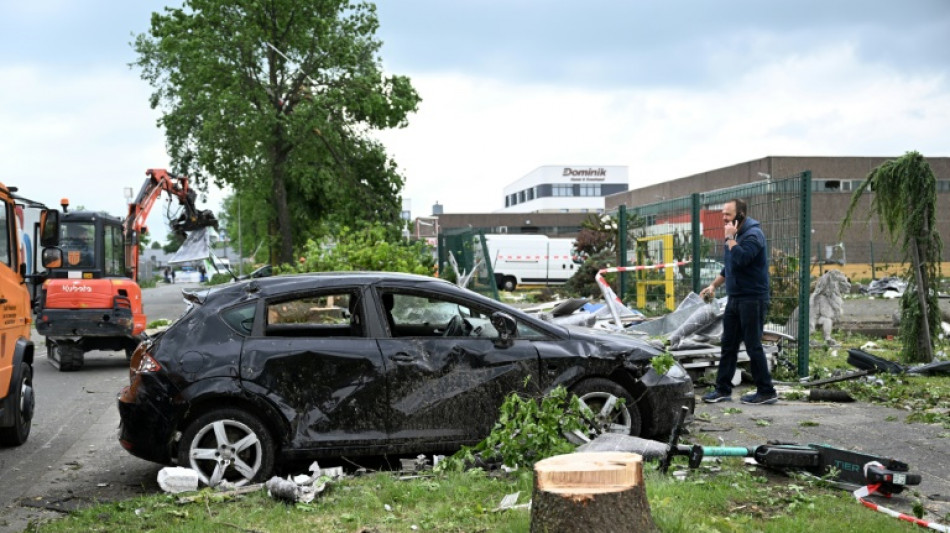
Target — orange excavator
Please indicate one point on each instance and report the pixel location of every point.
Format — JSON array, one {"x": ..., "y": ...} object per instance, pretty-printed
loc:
[{"x": 91, "y": 299}]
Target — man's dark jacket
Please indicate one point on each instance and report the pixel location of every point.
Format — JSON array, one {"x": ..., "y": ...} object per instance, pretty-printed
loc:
[{"x": 747, "y": 265}]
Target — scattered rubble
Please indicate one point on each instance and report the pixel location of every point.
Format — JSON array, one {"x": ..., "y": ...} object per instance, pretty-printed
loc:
[
  {"x": 301, "y": 488},
  {"x": 175, "y": 479},
  {"x": 889, "y": 287}
]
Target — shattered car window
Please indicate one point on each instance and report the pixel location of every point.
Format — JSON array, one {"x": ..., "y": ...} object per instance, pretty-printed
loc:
[
  {"x": 413, "y": 315},
  {"x": 527, "y": 332},
  {"x": 241, "y": 319},
  {"x": 414, "y": 310},
  {"x": 333, "y": 314}
]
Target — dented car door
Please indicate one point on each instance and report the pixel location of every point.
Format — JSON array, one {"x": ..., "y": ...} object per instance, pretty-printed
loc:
[
  {"x": 313, "y": 358},
  {"x": 448, "y": 375}
]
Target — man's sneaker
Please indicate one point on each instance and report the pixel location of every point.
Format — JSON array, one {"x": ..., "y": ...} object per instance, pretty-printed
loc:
[
  {"x": 756, "y": 398},
  {"x": 716, "y": 396}
]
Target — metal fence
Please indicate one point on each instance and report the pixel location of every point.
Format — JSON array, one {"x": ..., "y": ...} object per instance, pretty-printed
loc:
[
  {"x": 469, "y": 249},
  {"x": 688, "y": 232}
]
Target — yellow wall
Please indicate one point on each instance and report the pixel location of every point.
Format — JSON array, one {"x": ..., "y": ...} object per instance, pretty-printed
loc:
[{"x": 857, "y": 271}]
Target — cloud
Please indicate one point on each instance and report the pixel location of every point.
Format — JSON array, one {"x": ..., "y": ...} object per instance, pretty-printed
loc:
[
  {"x": 472, "y": 136},
  {"x": 87, "y": 136},
  {"x": 681, "y": 43}
]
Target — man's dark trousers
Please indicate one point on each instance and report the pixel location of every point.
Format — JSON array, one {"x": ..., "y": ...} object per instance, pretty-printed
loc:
[{"x": 743, "y": 321}]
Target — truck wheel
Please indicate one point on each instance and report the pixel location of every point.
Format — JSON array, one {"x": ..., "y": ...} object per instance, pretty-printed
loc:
[
  {"x": 508, "y": 283},
  {"x": 227, "y": 445},
  {"x": 22, "y": 403},
  {"x": 606, "y": 414}
]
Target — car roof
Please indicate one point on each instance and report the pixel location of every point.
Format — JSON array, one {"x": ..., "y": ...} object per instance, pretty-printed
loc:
[{"x": 279, "y": 284}]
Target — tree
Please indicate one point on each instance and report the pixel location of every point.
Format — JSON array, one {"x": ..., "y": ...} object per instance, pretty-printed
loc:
[
  {"x": 905, "y": 201},
  {"x": 279, "y": 97},
  {"x": 372, "y": 247},
  {"x": 175, "y": 240}
]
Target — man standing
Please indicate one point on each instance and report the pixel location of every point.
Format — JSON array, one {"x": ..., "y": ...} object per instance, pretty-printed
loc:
[{"x": 746, "y": 275}]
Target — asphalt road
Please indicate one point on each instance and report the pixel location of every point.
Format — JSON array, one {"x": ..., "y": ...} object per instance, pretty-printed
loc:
[{"x": 72, "y": 457}]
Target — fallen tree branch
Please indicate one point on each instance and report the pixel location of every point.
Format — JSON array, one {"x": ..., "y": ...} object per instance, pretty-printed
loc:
[{"x": 233, "y": 492}]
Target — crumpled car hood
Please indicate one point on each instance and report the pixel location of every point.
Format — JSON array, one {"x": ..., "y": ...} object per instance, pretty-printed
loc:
[{"x": 611, "y": 344}]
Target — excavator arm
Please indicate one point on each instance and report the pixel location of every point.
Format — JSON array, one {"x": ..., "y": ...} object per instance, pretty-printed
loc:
[{"x": 191, "y": 218}]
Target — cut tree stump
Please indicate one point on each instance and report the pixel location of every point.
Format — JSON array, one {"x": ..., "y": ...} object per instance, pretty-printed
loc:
[{"x": 596, "y": 491}]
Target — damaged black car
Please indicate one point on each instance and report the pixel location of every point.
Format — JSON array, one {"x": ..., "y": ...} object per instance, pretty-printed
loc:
[{"x": 287, "y": 368}]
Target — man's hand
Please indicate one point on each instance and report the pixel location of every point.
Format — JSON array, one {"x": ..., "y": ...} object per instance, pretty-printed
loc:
[
  {"x": 707, "y": 293},
  {"x": 731, "y": 229}
]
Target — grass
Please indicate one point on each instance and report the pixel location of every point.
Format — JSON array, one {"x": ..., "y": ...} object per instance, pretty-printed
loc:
[
  {"x": 159, "y": 323},
  {"x": 927, "y": 398},
  {"x": 731, "y": 497}
]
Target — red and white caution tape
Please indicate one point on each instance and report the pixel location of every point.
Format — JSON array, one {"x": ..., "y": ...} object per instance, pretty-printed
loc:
[
  {"x": 862, "y": 492},
  {"x": 613, "y": 301}
]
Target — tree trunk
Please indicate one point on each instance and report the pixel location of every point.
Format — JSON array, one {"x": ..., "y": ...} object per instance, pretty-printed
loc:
[
  {"x": 279, "y": 182},
  {"x": 590, "y": 492},
  {"x": 924, "y": 342}
]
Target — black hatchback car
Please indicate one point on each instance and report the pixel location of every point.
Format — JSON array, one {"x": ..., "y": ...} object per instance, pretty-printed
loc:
[{"x": 309, "y": 366}]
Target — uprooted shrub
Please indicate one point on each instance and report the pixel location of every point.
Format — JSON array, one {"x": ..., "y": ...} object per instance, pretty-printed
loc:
[{"x": 528, "y": 429}]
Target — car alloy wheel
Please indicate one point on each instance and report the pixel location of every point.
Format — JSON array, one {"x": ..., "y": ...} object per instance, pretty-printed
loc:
[
  {"x": 227, "y": 445},
  {"x": 605, "y": 412}
]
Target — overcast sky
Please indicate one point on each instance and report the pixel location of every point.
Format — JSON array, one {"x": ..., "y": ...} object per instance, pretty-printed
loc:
[{"x": 667, "y": 88}]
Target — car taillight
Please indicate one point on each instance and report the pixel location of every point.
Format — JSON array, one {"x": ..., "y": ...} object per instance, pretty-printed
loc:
[{"x": 147, "y": 364}]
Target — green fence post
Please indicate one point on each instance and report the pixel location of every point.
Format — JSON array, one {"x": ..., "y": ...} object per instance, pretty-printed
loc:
[
  {"x": 622, "y": 245},
  {"x": 871, "y": 245},
  {"x": 697, "y": 241},
  {"x": 440, "y": 254},
  {"x": 804, "y": 278},
  {"x": 488, "y": 266}
]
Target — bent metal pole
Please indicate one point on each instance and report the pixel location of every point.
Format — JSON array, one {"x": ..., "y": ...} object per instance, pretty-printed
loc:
[{"x": 613, "y": 301}]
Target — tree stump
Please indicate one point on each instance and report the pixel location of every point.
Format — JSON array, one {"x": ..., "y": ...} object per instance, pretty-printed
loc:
[{"x": 596, "y": 491}]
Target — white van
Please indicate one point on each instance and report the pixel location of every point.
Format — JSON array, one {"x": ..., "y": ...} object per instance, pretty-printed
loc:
[{"x": 530, "y": 259}]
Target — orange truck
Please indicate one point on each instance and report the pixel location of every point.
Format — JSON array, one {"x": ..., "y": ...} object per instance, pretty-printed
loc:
[
  {"x": 91, "y": 299},
  {"x": 16, "y": 348}
]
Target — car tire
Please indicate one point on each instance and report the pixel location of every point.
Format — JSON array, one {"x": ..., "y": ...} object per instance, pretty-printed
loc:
[
  {"x": 508, "y": 283},
  {"x": 601, "y": 395},
  {"x": 208, "y": 446},
  {"x": 23, "y": 402}
]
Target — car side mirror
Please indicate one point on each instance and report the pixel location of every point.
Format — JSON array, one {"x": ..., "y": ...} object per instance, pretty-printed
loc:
[
  {"x": 506, "y": 327},
  {"x": 52, "y": 258}
]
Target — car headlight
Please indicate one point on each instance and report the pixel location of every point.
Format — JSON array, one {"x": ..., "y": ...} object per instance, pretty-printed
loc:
[{"x": 676, "y": 371}]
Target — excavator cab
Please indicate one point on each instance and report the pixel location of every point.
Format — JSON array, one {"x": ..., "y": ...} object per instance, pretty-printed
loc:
[{"x": 90, "y": 246}]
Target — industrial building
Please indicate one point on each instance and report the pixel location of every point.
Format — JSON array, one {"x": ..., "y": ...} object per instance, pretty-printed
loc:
[{"x": 833, "y": 181}]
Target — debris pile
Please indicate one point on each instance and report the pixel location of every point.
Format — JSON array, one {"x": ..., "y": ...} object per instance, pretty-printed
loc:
[{"x": 889, "y": 287}]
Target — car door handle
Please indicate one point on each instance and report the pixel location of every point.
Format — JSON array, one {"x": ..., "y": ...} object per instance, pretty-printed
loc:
[{"x": 402, "y": 357}]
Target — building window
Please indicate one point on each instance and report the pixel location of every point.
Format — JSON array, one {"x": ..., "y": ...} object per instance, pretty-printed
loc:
[
  {"x": 507, "y": 201},
  {"x": 521, "y": 197},
  {"x": 590, "y": 189},
  {"x": 562, "y": 190},
  {"x": 531, "y": 193},
  {"x": 943, "y": 185},
  {"x": 514, "y": 199}
]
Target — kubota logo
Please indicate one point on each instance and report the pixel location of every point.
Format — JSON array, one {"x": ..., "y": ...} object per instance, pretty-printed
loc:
[{"x": 77, "y": 288}]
